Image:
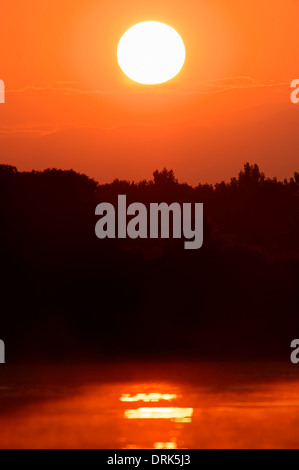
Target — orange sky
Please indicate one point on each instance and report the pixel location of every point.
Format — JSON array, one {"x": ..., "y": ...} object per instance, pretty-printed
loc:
[{"x": 69, "y": 105}]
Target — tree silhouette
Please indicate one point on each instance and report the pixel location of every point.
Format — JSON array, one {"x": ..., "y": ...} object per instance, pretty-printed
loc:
[
  {"x": 125, "y": 296},
  {"x": 164, "y": 177}
]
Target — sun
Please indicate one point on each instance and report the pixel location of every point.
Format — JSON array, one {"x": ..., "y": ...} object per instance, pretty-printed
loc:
[{"x": 151, "y": 52}]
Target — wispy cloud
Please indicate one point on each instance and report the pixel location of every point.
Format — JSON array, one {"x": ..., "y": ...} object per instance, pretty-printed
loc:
[
  {"x": 66, "y": 90},
  {"x": 210, "y": 86},
  {"x": 47, "y": 130},
  {"x": 28, "y": 130},
  {"x": 220, "y": 85}
]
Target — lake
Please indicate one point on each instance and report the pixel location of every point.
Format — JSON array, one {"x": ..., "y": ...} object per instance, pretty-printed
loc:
[{"x": 150, "y": 405}]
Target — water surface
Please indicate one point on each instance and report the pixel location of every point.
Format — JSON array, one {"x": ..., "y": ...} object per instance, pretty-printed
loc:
[{"x": 142, "y": 405}]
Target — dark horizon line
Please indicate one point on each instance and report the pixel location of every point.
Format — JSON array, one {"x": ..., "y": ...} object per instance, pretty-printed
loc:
[{"x": 164, "y": 170}]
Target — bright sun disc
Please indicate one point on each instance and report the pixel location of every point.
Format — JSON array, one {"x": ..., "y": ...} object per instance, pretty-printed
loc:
[{"x": 151, "y": 52}]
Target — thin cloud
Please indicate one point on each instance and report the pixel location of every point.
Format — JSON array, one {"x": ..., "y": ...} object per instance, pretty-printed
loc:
[
  {"x": 47, "y": 130},
  {"x": 210, "y": 86},
  {"x": 220, "y": 85},
  {"x": 64, "y": 90},
  {"x": 34, "y": 130}
]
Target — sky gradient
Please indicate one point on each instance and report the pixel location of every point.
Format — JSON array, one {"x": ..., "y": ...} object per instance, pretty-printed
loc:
[{"x": 68, "y": 104}]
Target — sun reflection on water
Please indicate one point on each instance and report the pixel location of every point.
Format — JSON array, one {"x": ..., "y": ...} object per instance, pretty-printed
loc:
[
  {"x": 148, "y": 397},
  {"x": 165, "y": 445},
  {"x": 179, "y": 415},
  {"x": 234, "y": 412},
  {"x": 149, "y": 419}
]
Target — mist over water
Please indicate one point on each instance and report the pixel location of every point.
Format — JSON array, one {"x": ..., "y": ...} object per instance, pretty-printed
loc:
[{"x": 149, "y": 405}]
